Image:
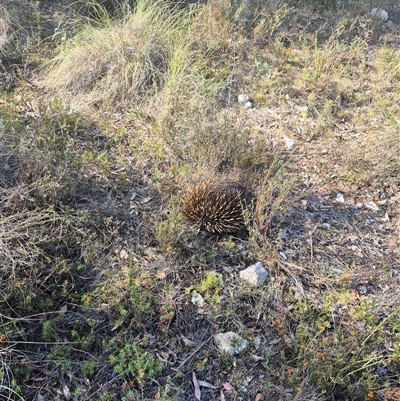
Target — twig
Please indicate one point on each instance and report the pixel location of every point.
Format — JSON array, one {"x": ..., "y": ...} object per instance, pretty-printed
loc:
[
  {"x": 194, "y": 352},
  {"x": 311, "y": 241}
]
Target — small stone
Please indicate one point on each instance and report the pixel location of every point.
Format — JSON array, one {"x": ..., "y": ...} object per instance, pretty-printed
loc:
[
  {"x": 336, "y": 270},
  {"x": 257, "y": 342},
  {"x": 248, "y": 105},
  {"x": 380, "y": 13},
  {"x": 362, "y": 289},
  {"x": 339, "y": 198},
  {"x": 372, "y": 206},
  {"x": 123, "y": 254},
  {"x": 198, "y": 300},
  {"x": 255, "y": 274},
  {"x": 395, "y": 198},
  {"x": 289, "y": 143},
  {"x": 230, "y": 342},
  {"x": 243, "y": 98},
  {"x": 303, "y": 110}
]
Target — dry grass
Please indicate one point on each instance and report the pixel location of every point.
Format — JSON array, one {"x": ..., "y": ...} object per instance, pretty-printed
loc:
[
  {"x": 97, "y": 262},
  {"x": 115, "y": 63},
  {"x": 4, "y": 27}
]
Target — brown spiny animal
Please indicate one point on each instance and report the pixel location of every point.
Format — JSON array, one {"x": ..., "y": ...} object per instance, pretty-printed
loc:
[{"x": 216, "y": 206}]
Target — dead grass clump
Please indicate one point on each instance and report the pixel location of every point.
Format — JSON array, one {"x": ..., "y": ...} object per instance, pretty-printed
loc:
[
  {"x": 372, "y": 154},
  {"x": 342, "y": 345},
  {"x": 4, "y": 27},
  {"x": 273, "y": 200},
  {"x": 39, "y": 160},
  {"x": 375, "y": 161},
  {"x": 268, "y": 19},
  {"x": 20, "y": 29},
  {"x": 116, "y": 62}
]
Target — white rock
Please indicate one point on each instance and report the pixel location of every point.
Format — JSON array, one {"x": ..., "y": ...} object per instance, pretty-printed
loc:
[
  {"x": 198, "y": 300},
  {"x": 254, "y": 274},
  {"x": 243, "y": 98},
  {"x": 362, "y": 289},
  {"x": 339, "y": 198},
  {"x": 230, "y": 342},
  {"x": 289, "y": 143},
  {"x": 123, "y": 254},
  {"x": 302, "y": 109},
  {"x": 257, "y": 342},
  {"x": 380, "y": 13},
  {"x": 248, "y": 105},
  {"x": 372, "y": 206},
  {"x": 395, "y": 198}
]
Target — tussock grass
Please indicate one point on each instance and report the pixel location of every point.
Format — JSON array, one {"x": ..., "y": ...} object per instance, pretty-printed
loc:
[
  {"x": 117, "y": 62},
  {"x": 4, "y": 27},
  {"x": 376, "y": 99},
  {"x": 367, "y": 167},
  {"x": 21, "y": 30}
]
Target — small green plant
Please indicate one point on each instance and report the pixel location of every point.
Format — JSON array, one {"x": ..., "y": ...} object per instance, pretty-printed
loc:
[
  {"x": 48, "y": 333},
  {"x": 141, "y": 298},
  {"x": 84, "y": 342},
  {"x": 227, "y": 361},
  {"x": 61, "y": 356},
  {"x": 229, "y": 244},
  {"x": 262, "y": 69},
  {"x": 166, "y": 314},
  {"x": 169, "y": 230},
  {"x": 136, "y": 364},
  {"x": 89, "y": 367},
  {"x": 211, "y": 286},
  {"x": 106, "y": 396}
]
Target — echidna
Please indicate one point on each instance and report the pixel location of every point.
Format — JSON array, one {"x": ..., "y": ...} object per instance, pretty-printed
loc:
[{"x": 216, "y": 206}]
